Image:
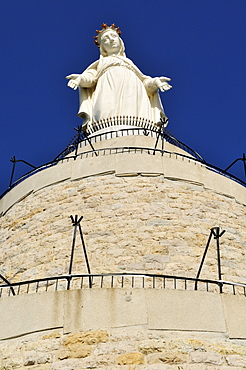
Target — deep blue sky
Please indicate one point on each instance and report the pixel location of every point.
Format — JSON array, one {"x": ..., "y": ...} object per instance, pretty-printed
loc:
[{"x": 200, "y": 44}]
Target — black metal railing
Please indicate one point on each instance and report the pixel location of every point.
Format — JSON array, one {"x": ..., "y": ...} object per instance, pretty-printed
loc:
[
  {"x": 83, "y": 140},
  {"x": 117, "y": 150},
  {"x": 121, "y": 280}
]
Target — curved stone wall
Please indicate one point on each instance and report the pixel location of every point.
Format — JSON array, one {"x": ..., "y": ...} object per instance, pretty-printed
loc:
[
  {"x": 127, "y": 329},
  {"x": 142, "y": 213}
]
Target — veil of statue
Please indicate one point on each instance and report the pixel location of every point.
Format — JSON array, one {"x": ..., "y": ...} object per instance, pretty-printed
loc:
[{"x": 114, "y": 91}]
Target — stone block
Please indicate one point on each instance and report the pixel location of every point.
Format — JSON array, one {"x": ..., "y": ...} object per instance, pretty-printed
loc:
[
  {"x": 133, "y": 358},
  {"x": 92, "y": 166},
  {"x": 151, "y": 258},
  {"x": 30, "y": 358},
  {"x": 151, "y": 346},
  {"x": 70, "y": 364},
  {"x": 234, "y": 309},
  {"x": 211, "y": 358},
  {"x": 185, "y": 310},
  {"x": 168, "y": 358},
  {"x": 114, "y": 348},
  {"x": 228, "y": 348},
  {"x": 130, "y": 164},
  {"x": 125, "y": 334},
  {"x": 52, "y": 335},
  {"x": 77, "y": 350},
  {"x": 42, "y": 345},
  {"x": 11, "y": 363},
  {"x": 179, "y": 168},
  {"x": 100, "y": 362},
  {"x": 53, "y": 175},
  {"x": 236, "y": 360},
  {"x": 221, "y": 184},
  {"x": 238, "y": 192},
  {"x": 111, "y": 308},
  {"x": 43, "y": 358},
  {"x": 34, "y": 312},
  {"x": 89, "y": 337}
]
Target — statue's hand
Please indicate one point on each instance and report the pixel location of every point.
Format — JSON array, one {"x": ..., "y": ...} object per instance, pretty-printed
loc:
[
  {"x": 74, "y": 81},
  {"x": 162, "y": 84}
]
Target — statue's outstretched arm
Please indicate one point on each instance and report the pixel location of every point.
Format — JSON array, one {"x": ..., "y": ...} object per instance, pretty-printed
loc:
[
  {"x": 162, "y": 83},
  {"x": 74, "y": 80},
  {"x": 86, "y": 79},
  {"x": 153, "y": 84}
]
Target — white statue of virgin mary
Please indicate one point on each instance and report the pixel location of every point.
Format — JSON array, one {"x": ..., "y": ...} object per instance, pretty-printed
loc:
[{"x": 113, "y": 89}]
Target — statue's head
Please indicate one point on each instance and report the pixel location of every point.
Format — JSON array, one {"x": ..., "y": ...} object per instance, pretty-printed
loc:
[{"x": 109, "y": 41}]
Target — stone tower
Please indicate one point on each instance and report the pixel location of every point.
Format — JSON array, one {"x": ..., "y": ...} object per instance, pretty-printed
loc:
[{"x": 148, "y": 204}]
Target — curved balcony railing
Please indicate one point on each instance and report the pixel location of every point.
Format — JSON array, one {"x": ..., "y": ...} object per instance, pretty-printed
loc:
[
  {"x": 79, "y": 142},
  {"x": 121, "y": 280},
  {"x": 83, "y": 140}
]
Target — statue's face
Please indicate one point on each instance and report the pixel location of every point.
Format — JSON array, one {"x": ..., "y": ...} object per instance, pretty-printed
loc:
[{"x": 110, "y": 41}]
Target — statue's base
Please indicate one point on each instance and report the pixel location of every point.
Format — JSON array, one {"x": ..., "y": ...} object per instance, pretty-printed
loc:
[{"x": 119, "y": 123}]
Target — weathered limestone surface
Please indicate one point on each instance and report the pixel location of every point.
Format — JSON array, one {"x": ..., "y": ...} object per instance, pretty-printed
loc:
[
  {"x": 83, "y": 310},
  {"x": 131, "y": 224},
  {"x": 118, "y": 329},
  {"x": 127, "y": 349},
  {"x": 139, "y": 215},
  {"x": 123, "y": 329}
]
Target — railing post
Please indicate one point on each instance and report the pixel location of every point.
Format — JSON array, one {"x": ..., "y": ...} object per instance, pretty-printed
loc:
[
  {"x": 68, "y": 282},
  {"x": 236, "y": 160},
  {"x": 85, "y": 254},
  {"x": 79, "y": 129},
  {"x": 215, "y": 231},
  {"x": 8, "y": 283},
  {"x": 157, "y": 139},
  {"x": 165, "y": 122},
  {"x": 76, "y": 223},
  {"x": 203, "y": 258},
  {"x": 90, "y": 143},
  {"x": 160, "y": 133},
  {"x": 13, "y": 160},
  {"x": 217, "y": 235}
]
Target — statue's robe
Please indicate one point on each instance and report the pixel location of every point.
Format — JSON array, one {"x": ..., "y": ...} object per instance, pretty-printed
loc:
[{"x": 114, "y": 87}]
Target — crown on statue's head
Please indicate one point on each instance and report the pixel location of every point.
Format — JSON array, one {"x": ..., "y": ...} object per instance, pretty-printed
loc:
[{"x": 105, "y": 28}]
